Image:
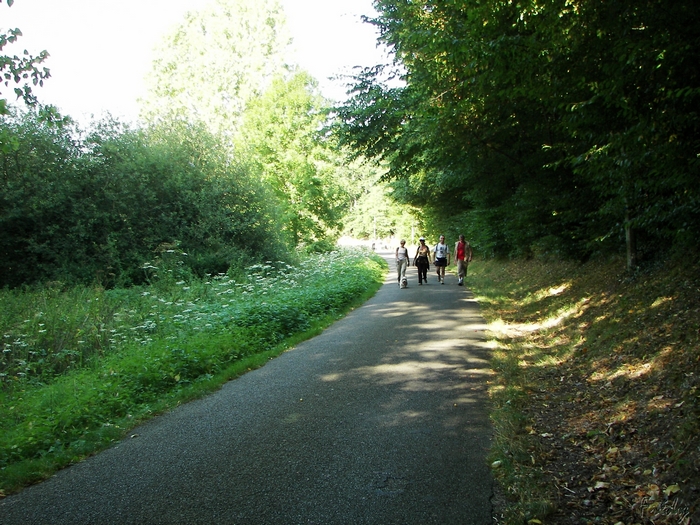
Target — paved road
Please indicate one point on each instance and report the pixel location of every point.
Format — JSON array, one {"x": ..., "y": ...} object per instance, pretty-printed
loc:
[{"x": 382, "y": 419}]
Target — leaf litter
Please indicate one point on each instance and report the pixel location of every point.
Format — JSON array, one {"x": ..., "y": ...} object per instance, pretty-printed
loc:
[{"x": 609, "y": 397}]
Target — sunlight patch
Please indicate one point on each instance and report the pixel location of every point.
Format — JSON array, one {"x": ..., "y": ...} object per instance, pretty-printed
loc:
[
  {"x": 523, "y": 329},
  {"x": 551, "y": 292},
  {"x": 660, "y": 301}
]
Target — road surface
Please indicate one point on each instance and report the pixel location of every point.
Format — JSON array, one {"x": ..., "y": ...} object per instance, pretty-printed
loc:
[{"x": 382, "y": 419}]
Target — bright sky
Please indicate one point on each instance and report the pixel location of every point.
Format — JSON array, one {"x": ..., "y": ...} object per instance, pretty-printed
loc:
[{"x": 101, "y": 49}]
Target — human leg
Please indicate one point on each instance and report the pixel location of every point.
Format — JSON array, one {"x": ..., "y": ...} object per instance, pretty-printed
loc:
[{"x": 461, "y": 271}]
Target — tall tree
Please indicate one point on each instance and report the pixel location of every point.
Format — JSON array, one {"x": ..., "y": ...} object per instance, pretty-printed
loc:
[
  {"x": 281, "y": 135},
  {"x": 217, "y": 60},
  {"x": 550, "y": 126}
]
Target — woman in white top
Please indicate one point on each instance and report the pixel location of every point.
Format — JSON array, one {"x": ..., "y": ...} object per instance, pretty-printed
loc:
[
  {"x": 441, "y": 258},
  {"x": 401, "y": 260}
]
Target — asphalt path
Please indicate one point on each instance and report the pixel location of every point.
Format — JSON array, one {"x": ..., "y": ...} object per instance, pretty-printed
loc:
[{"x": 382, "y": 419}]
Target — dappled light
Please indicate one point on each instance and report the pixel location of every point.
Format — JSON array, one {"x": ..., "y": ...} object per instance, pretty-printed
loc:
[
  {"x": 514, "y": 330},
  {"x": 634, "y": 370},
  {"x": 547, "y": 292},
  {"x": 431, "y": 352},
  {"x": 604, "y": 370},
  {"x": 433, "y": 362},
  {"x": 659, "y": 301}
]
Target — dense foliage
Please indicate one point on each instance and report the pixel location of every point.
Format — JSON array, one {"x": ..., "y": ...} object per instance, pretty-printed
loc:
[
  {"x": 281, "y": 136},
  {"x": 215, "y": 61},
  {"x": 548, "y": 127},
  {"x": 101, "y": 207}
]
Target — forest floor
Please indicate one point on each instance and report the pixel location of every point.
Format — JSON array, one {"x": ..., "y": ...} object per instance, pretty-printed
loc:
[{"x": 597, "y": 397}]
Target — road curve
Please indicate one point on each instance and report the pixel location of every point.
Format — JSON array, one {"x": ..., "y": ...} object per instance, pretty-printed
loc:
[{"x": 382, "y": 419}]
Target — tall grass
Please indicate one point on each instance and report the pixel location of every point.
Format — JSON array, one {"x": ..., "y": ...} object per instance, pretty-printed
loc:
[{"x": 79, "y": 366}]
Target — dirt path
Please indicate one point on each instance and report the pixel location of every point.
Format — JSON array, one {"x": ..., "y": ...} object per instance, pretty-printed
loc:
[{"x": 382, "y": 419}]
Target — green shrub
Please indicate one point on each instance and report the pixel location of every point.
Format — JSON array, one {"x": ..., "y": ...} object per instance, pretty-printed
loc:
[
  {"x": 121, "y": 354},
  {"x": 94, "y": 210}
]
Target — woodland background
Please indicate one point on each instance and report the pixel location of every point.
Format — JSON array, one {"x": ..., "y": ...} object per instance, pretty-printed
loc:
[
  {"x": 558, "y": 128},
  {"x": 561, "y": 137}
]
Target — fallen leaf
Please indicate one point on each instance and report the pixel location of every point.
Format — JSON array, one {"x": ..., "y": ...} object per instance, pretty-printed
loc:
[
  {"x": 672, "y": 489},
  {"x": 653, "y": 492}
]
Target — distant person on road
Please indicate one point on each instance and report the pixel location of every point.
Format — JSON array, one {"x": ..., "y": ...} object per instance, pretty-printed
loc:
[
  {"x": 402, "y": 260},
  {"x": 441, "y": 259},
  {"x": 422, "y": 261},
  {"x": 463, "y": 256}
]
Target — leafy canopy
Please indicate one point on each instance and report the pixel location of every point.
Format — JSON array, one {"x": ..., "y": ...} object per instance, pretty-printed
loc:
[
  {"x": 548, "y": 127},
  {"x": 215, "y": 62}
]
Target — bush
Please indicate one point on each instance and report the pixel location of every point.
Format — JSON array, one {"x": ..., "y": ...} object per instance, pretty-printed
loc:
[{"x": 95, "y": 210}]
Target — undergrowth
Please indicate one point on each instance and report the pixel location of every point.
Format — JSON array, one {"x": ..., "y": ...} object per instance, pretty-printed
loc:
[
  {"x": 597, "y": 402},
  {"x": 81, "y": 366}
]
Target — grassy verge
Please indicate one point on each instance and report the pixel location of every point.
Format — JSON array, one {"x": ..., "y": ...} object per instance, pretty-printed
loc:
[
  {"x": 596, "y": 405},
  {"x": 81, "y": 367}
]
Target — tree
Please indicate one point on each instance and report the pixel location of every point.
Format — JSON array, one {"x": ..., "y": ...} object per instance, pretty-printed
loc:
[
  {"x": 215, "y": 62},
  {"x": 282, "y": 136},
  {"x": 20, "y": 71},
  {"x": 551, "y": 126},
  {"x": 375, "y": 214}
]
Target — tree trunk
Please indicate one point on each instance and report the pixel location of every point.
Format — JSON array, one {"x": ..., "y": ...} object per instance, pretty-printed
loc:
[{"x": 631, "y": 241}]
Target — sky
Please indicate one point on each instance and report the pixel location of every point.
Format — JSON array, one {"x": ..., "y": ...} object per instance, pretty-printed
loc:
[{"x": 100, "y": 50}]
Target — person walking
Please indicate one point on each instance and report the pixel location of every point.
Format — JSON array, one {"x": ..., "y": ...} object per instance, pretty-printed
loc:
[
  {"x": 422, "y": 261},
  {"x": 402, "y": 260},
  {"x": 441, "y": 259},
  {"x": 463, "y": 256}
]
